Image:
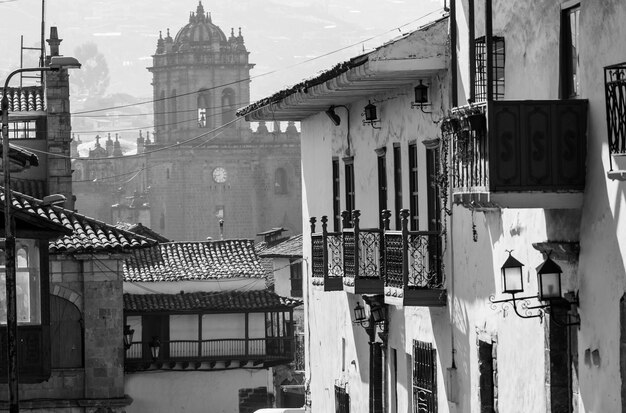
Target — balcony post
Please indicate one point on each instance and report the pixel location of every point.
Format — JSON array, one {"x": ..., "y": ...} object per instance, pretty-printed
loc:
[
  {"x": 404, "y": 219},
  {"x": 345, "y": 220},
  {"x": 355, "y": 221},
  {"x": 386, "y": 216},
  {"x": 312, "y": 220},
  {"x": 325, "y": 244}
]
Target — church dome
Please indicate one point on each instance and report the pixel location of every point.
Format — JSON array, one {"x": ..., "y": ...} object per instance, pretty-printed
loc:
[{"x": 199, "y": 32}]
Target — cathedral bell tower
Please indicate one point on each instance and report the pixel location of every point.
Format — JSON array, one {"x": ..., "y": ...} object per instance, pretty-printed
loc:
[{"x": 200, "y": 78}]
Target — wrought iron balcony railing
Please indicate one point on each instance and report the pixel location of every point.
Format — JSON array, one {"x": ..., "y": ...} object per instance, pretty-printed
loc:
[
  {"x": 258, "y": 351},
  {"x": 504, "y": 150},
  {"x": 404, "y": 265},
  {"x": 615, "y": 96}
]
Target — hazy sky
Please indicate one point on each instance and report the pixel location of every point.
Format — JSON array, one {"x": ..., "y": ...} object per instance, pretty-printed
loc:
[{"x": 277, "y": 33}]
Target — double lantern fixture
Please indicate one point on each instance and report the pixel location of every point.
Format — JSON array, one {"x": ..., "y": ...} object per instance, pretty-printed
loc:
[
  {"x": 377, "y": 315},
  {"x": 549, "y": 290}
]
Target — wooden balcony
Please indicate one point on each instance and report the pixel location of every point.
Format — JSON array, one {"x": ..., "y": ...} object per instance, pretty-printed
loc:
[
  {"x": 404, "y": 265},
  {"x": 210, "y": 354},
  {"x": 413, "y": 273},
  {"x": 521, "y": 154}
]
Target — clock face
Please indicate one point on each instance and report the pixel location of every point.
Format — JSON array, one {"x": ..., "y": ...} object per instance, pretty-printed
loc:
[{"x": 219, "y": 175}]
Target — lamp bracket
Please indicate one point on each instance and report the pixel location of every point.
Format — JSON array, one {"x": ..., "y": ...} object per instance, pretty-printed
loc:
[{"x": 520, "y": 306}]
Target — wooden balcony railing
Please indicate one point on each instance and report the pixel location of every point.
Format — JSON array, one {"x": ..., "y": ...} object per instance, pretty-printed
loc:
[
  {"x": 403, "y": 265},
  {"x": 523, "y": 153},
  {"x": 327, "y": 258},
  {"x": 257, "y": 350}
]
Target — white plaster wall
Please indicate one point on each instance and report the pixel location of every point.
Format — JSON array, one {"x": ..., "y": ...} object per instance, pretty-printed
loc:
[
  {"x": 179, "y": 391},
  {"x": 531, "y": 30},
  {"x": 329, "y": 313},
  {"x": 282, "y": 277}
]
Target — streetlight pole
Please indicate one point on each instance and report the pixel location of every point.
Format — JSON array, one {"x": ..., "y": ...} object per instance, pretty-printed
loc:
[{"x": 56, "y": 63}]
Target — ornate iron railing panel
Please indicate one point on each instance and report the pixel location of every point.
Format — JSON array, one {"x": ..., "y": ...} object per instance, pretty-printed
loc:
[
  {"x": 615, "y": 95},
  {"x": 317, "y": 260},
  {"x": 335, "y": 255},
  {"x": 349, "y": 256},
  {"x": 424, "y": 254},
  {"x": 369, "y": 253},
  {"x": 392, "y": 267}
]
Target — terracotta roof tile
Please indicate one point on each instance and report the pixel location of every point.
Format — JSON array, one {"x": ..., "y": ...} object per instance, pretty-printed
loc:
[
  {"x": 25, "y": 99},
  {"x": 290, "y": 248},
  {"x": 88, "y": 234},
  {"x": 202, "y": 260},
  {"x": 222, "y": 301}
]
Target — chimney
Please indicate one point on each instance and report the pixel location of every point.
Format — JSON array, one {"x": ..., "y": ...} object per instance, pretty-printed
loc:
[{"x": 54, "y": 41}]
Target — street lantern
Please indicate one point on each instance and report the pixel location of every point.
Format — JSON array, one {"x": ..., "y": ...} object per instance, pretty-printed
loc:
[
  {"x": 549, "y": 280},
  {"x": 128, "y": 336},
  {"x": 421, "y": 94},
  {"x": 359, "y": 313},
  {"x": 512, "y": 281}
]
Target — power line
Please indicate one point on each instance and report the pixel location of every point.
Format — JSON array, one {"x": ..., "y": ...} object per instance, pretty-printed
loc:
[{"x": 262, "y": 74}]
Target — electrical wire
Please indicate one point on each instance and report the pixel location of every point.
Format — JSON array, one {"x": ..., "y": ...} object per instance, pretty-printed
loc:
[{"x": 247, "y": 79}]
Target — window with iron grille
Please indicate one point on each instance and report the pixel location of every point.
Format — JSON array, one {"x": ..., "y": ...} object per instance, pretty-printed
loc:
[
  {"x": 615, "y": 96},
  {"x": 342, "y": 400},
  {"x": 424, "y": 377},
  {"x": 480, "y": 85}
]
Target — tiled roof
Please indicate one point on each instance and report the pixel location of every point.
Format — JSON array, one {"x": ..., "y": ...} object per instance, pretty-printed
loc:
[
  {"x": 201, "y": 260},
  {"x": 223, "y": 301},
  {"x": 25, "y": 99},
  {"x": 290, "y": 248},
  {"x": 88, "y": 234},
  {"x": 141, "y": 229}
]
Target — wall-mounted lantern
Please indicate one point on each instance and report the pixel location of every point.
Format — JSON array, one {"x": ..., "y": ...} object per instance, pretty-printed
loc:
[
  {"x": 549, "y": 289},
  {"x": 371, "y": 117},
  {"x": 421, "y": 97},
  {"x": 128, "y": 336}
]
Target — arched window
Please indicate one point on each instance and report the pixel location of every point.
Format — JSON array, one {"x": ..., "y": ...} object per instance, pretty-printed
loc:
[
  {"x": 228, "y": 105},
  {"x": 66, "y": 334},
  {"x": 204, "y": 100},
  {"x": 173, "y": 110},
  {"x": 280, "y": 181}
]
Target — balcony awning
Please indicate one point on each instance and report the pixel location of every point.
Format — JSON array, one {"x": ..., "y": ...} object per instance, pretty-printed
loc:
[
  {"x": 396, "y": 64},
  {"x": 19, "y": 159}
]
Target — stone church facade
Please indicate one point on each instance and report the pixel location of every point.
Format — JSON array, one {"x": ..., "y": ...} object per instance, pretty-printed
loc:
[{"x": 203, "y": 167}]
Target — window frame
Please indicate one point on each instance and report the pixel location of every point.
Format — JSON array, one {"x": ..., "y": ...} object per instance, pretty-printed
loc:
[
  {"x": 336, "y": 186},
  {"x": 397, "y": 183},
  {"x": 570, "y": 79},
  {"x": 499, "y": 65},
  {"x": 381, "y": 154},
  {"x": 413, "y": 187},
  {"x": 349, "y": 187}
]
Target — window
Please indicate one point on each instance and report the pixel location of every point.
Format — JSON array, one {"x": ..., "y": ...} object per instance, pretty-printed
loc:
[
  {"x": 66, "y": 334},
  {"x": 280, "y": 181},
  {"x": 424, "y": 377},
  {"x": 486, "y": 376},
  {"x": 336, "y": 197},
  {"x": 342, "y": 400},
  {"x": 434, "y": 199},
  {"x": 228, "y": 106},
  {"x": 397, "y": 183},
  {"x": 203, "y": 104},
  {"x": 295, "y": 267},
  {"x": 28, "y": 284},
  {"x": 24, "y": 130},
  {"x": 570, "y": 84},
  {"x": 413, "y": 187},
  {"x": 481, "y": 68},
  {"x": 349, "y": 177},
  {"x": 382, "y": 183},
  {"x": 615, "y": 95}
]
